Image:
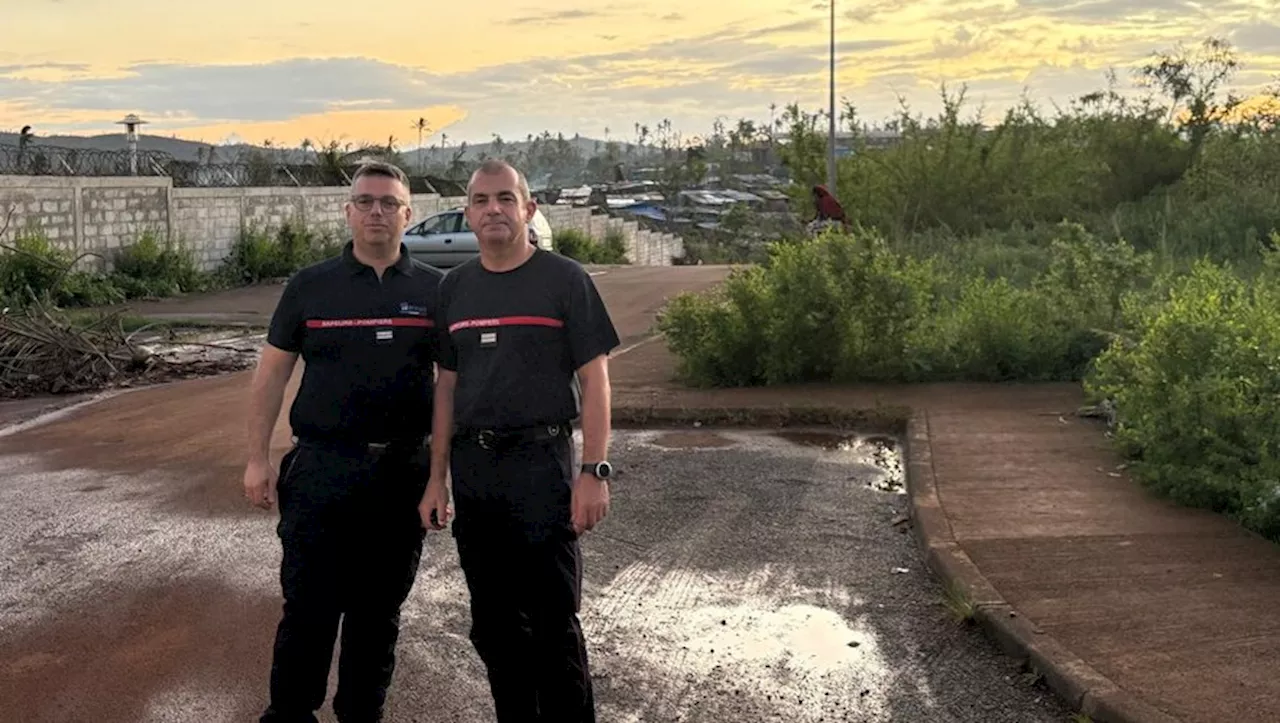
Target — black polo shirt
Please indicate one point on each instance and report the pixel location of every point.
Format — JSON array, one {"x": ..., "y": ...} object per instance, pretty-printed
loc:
[
  {"x": 516, "y": 339},
  {"x": 367, "y": 345}
]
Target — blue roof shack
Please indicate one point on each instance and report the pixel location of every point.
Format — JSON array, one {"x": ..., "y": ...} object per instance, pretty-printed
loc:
[{"x": 647, "y": 210}]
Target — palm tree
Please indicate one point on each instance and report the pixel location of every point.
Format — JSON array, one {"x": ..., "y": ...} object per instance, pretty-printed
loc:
[{"x": 423, "y": 127}]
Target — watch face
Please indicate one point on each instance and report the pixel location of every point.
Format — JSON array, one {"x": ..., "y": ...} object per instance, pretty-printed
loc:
[{"x": 604, "y": 470}]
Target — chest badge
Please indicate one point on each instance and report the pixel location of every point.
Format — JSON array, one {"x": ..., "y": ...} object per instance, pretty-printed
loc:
[{"x": 488, "y": 339}]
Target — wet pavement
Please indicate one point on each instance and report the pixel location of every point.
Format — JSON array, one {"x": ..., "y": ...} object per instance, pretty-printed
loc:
[{"x": 742, "y": 576}]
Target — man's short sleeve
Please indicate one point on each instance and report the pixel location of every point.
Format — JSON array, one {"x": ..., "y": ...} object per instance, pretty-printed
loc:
[
  {"x": 286, "y": 329},
  {"x": 591, "y": 331},
  {"x": 446, "y": 352}
]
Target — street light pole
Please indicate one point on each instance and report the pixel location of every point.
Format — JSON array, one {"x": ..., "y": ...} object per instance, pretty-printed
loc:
[{"x": 831, "y": 120}]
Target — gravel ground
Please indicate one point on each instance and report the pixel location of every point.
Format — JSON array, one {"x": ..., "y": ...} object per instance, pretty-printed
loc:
[{"x": 741, "y": 576}]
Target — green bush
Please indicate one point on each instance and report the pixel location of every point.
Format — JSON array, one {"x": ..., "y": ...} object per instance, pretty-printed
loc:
[
  {"x": 576, "y": 244},
  {"x": 1195, "y": 388},
  {"x": 848, "y": 308},
  {"x": 34, "y": 268},
  {"x": 151, "y": 267},
  {"x": 259, "y": 255},
  {"x": 613, "y": 249}
]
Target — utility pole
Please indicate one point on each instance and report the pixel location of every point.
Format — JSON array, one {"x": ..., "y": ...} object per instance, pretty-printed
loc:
[{"x": 831, "y": 120}]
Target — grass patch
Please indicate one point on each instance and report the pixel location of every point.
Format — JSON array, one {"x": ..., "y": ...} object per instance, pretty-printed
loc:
[{"x": 958, "y": 603}]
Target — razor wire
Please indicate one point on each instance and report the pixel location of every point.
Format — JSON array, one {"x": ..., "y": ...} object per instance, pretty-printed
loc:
[{"x": 42, "y": 160}]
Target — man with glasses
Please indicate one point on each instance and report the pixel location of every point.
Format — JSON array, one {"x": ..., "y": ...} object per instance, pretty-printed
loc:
[{"x": 348, "y": 490}]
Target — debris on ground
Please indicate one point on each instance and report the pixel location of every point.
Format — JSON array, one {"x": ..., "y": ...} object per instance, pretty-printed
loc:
[{"x": 45, "y": 351}]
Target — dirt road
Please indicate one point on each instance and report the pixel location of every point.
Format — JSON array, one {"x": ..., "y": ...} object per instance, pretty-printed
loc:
[{"x": 750, "y": 579}]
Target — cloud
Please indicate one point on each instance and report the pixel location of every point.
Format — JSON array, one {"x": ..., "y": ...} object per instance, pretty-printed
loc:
[
  {"x": 867, "y": 12},
  {"x": 19, "y": 69},
  {"x": 735, "y": 70},
  {"x": 1258, "y": 37},
  {"x": 963, "y": 42},
  {"x": 808, "y": 25},
  {"x": 252, "y": 92},
  {"x": 1103, "y": 9},
  {"x": 555, "y": 17},
  {"x": 1161, "y": 12}
]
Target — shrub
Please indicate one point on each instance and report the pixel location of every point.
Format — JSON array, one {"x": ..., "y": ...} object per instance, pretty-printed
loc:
[
  {"x": 34, "y": 268},
  {"x": 613, "y": 249},
  {"x": 151, "y": 267},
  {"x": 259, "y": 255},
  {"x": 576, "y": 244},
  {"x": 848, "y": 308},
  {"x": 1195, "y": 389}
]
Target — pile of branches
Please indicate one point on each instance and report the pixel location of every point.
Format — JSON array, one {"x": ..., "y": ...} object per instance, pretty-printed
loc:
[{"x": 42, "y": 352}]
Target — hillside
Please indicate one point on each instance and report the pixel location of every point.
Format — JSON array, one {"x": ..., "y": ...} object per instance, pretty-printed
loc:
[
  {"x": 180, "y": 149},
  {"x": 185, "y": 150}
]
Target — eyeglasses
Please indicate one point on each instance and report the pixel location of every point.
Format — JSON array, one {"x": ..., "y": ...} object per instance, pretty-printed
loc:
[{"x": 389, "y": 203}]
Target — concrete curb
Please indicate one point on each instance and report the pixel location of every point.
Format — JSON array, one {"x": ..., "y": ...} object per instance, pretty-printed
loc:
[
  {"x": 1078, "y": 683},
  {"x": 887, "y": 419}
]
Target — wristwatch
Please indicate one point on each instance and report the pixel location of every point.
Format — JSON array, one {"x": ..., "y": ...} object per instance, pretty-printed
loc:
[{"x": 601, "y": 470}]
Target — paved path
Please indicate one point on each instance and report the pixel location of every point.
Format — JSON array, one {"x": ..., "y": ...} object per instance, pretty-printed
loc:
[{"x": 1163, "y": 612}]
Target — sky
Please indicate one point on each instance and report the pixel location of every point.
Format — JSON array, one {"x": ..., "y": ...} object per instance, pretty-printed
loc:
[{"x": 284, "y": 70}]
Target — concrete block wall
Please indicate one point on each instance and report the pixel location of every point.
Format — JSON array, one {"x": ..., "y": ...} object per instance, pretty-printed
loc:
[
  {"x": 79, "y": 215},
  {"x": 644, "y": 248},
  {"x": 599, "y": 226},
  {"x": 207, "y": 222},
  {"x": 103, "y": 214}
]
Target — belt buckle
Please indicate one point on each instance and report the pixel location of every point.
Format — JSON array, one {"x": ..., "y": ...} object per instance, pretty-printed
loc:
[{"x": 486, "y": 438}]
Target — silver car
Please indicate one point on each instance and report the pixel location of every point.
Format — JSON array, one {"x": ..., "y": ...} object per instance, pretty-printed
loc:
[{"x": 445, "y": 239}]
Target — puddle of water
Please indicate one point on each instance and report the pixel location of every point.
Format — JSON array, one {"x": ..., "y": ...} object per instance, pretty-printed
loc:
[
  {"x": 781, "y": 648},
  {"x": 878, "y": 457},
  {"x": 821, "y": 440},
  {"x": 690, "y": 439}
]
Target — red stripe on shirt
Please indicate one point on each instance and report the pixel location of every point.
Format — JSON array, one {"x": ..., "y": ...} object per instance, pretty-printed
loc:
[
  {"x": 506, "y": 321},
  {"x": 389, "y": 321}
]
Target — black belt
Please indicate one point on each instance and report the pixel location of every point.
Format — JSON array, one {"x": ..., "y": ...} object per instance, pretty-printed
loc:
[
  {"x": 494, "y": 438},
  {"x": 352, "y": 446}
]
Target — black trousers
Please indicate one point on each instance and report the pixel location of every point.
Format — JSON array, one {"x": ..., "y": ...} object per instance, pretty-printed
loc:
[
  {"x": 523, "y": 568},
  {"x": 352, "y": 542}
]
